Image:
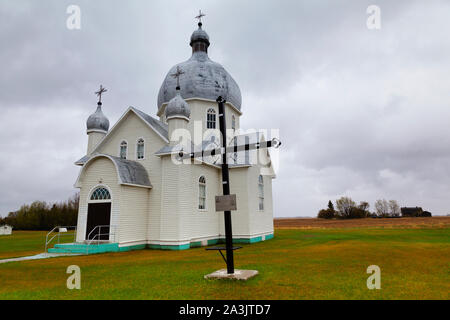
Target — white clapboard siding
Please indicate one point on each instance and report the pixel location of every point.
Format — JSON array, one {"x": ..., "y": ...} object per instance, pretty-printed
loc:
[
  {"x": 200, "y": 224},
  {"x": 131, "y": 129},
  {"x": 261, "y": 221},
  {"x": 239, "y": 218},
  {"x": 133, "y": 214},
  {"x": 168, "y": 212},
  {"x": 102, "y": 169},
  {"x": 198, "y": 115},
  {"x": 169, "y": 225}
]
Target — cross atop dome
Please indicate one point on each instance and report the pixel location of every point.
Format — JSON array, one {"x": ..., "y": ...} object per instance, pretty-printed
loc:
[
  {"x": 200, "y": 16},
  {"x": 177, "y": 75},
  {"x": 99, "y": 94}
]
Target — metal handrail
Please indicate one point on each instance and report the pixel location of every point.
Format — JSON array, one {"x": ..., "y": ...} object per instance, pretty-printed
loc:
[
  {"x": 58, "y": 234},
  {"x": 97, "y": 235}
]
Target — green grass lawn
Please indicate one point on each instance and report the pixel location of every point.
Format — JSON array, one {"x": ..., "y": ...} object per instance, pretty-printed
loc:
[
  {"x": 22, "y": 243},
  {"x": 296, "y": 264}
]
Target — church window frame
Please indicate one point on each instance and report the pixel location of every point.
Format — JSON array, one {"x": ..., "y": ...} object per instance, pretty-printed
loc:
[
  {"x": 260, "y": 193},
  {"x": 123, "y": 150},
  {"x": 140, "y": 149},
  {"x": 202, "y": 193},
  {"x": 100, "y": 193},
  {"x": 211, "y": 118}
]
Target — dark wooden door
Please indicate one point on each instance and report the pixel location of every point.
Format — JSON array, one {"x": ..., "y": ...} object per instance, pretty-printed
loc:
[{"x": 99, "y": 214}]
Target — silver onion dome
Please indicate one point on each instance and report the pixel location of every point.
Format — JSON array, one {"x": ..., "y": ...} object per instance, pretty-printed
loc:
[
  {"x": 97, "y": 121},
  {"x": 199, "y": 35},
  {"x": 177, "y": 107},
  {"x": 203, "y": 78}
]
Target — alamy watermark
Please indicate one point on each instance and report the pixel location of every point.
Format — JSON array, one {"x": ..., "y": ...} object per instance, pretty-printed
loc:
[
  {"x": 374, "y": 281},
  {"x": 74, "y": 280},
  {"x": 374, "y": 20},
  {"x": 73, "y": 21},
  {"x": 186, "y": 141}
]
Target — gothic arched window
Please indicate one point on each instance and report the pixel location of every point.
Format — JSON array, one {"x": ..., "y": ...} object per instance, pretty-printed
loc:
[
  {"x": 123, "y": 149},
  {"x": 101, "y": 193},
  {"x": 202, "y": 193},
  {"x": 211, "y": 119},
  {"x": 261, "y": 192},
  {"x": 140, "y": 148}
]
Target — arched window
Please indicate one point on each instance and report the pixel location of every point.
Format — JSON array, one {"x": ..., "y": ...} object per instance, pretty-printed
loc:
[
  {"x": 101, "y": 193},
  {"x": 261, "y": 192},
  {"x": 123, "y": 150},
  {"x": 211, "y": 119},
  {"x": 202, "y": 193},
  {"x": 140, "y": 149},
  {"x": 233, "y": 122}
]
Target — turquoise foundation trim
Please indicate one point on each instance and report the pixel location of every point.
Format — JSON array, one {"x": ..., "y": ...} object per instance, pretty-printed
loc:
[
  {"x": 84, "y": 248},
  {"x": 269, "y": 236},
  {"x": 213, "y": 241},
  {"x": 130, "y": 248},
  {"x": 247, "y": 240},
  {"x": 114, "y": 247},
  {"x": 169, "y": 247},
  {"x": 196, "y": 244}
]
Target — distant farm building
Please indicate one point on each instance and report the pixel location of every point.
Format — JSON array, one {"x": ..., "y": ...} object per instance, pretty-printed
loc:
[
  {"x": 5, "y": 230},
  {"x": 414, "y": 212}
]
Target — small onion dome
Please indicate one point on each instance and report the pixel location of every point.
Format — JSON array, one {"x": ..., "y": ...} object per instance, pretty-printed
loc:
[
  {"x": 97, "y": 121},
  {"x": 177, "y": 107},
  {"x": 199, "y": 35}
]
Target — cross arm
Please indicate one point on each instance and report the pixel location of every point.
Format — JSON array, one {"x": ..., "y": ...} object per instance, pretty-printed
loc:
[{"x": 275, "y": 143}]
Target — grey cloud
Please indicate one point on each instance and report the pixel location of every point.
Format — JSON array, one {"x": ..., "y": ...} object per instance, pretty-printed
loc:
[{"x": 361, "y": 113}]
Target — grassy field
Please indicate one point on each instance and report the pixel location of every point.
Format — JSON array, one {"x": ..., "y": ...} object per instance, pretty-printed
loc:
[
  {"x": 296, "y": 264},
  {"x": 22, "y": 243}
]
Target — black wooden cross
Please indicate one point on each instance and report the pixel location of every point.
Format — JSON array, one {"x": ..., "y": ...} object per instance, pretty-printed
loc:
[
  {"x": 225, "y": 176},
  {"x": 99, "y": 93},
  {"x": 200, "y": 16},
  {"x": 177, "y": 75}
]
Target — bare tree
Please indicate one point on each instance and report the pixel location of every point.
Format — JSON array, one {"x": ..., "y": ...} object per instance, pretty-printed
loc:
[
  {"x": 363, "y": 205},
  {"x": 344, "y": 206},
  {"x": 394, "y": 208},
  {"x": 382, "y": 208}
]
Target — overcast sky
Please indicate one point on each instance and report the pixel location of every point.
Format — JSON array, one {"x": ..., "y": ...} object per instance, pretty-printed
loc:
[{"x": 362, "y": 112}]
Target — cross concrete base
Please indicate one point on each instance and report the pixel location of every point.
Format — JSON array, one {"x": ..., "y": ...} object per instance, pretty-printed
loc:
[{"x": 237, "y": 275}]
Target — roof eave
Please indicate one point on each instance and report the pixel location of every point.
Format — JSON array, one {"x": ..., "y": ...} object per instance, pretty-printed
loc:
[{"x": 161, "y": 108}]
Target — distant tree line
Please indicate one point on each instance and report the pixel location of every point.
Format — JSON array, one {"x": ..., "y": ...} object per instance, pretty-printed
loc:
[
  {"x": 346, "y": 208},
  {"x": 41, "y": 215}
]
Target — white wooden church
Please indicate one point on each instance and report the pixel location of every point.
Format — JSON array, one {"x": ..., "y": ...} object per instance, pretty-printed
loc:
[{"x": 132, "y": 186}]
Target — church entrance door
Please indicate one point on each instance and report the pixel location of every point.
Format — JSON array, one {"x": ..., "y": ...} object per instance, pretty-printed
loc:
[{"x": 99, "y": 214}]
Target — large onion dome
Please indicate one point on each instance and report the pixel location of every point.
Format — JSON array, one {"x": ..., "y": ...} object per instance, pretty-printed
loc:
[{"x": 203, "y": 78}]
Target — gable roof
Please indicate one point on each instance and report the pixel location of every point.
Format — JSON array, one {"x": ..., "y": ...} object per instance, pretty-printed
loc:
[
  {"x": 155, "y": 124},
  {"x": 160, "y": 128},
  {"x": 128, "y": 172}
]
